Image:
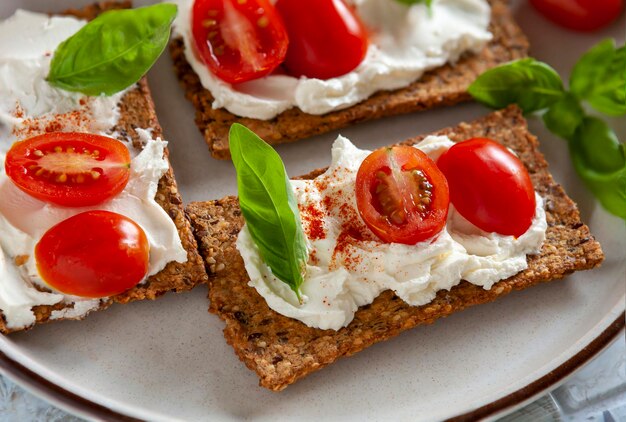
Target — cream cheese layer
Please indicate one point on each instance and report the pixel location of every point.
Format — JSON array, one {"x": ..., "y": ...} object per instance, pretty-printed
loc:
[
  {"x": 29, "y": 106},
  {"x": 405, "y": 42},
  {"x": 346, "y": 271}
]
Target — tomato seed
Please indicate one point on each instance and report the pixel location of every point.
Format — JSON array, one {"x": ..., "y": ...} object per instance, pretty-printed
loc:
[{"x": 263, "y": 22}]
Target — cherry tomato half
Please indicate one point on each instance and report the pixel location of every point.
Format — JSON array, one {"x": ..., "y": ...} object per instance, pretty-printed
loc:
[
  {"x": 580, "y": 15},
  {"x": 326, "y": 38},
  {"x": 239, "y": 40},
  {"x": 489, "y": 186},
  {"x": 401, "y": 195},
  {"x": 69, "y": 168},
  {"x": 93, "y": 254}
]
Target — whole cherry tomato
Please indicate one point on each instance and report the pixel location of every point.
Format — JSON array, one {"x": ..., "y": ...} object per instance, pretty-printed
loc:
[
  {"x": 69, "y": 168},
  {"x": 326, "y": 38},
  {"x": 581, "y": 15},
  {"x": 239, "y": 40},
  {"x": 401, "y": 195},
  {"x": 489, "y": 186},
  {"x": 93, "y": 254}
]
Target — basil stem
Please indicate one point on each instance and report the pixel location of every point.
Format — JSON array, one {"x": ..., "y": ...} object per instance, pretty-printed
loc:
[
  {"x": 113, "y": 51},
  {"x": 269, "y": 207}
]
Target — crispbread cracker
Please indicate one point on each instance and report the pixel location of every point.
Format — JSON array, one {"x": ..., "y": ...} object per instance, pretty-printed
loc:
[
  {"x": 137, "y": 111},
  {"x": 282, "y": 350},
  {"x": 446, "y": 85}
]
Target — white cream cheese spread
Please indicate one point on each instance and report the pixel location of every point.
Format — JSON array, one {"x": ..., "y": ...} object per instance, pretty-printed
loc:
[
  {"x": 349, "y": 267},
  {"x": 29, "y": 106},
  {"x": 405, "y": 42}
]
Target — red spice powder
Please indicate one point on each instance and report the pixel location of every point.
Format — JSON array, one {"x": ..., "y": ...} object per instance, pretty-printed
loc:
[
  {"x": 76, "y": 120},
  {"x": 312, "y": 216}
]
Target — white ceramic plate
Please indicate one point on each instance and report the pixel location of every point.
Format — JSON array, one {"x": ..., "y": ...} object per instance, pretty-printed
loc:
[{"x": 167, "y": 359}]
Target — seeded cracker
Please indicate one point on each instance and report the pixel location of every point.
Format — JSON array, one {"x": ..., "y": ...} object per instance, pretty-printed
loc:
[
  {"x": 282, "y": 350},
  {"x": 137, "y": 111},
  {"x": 443, "y": 86}
]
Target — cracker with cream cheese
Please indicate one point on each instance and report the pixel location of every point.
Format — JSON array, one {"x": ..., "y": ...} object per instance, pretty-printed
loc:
[
  {"x": 282, "y": 350},
  {"x": 137, "y": 111},
  {"x": 444, "y": 86}
]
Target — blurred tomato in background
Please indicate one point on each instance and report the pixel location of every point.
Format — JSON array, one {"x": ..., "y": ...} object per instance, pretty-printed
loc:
[{"x": 580, "y": 15}]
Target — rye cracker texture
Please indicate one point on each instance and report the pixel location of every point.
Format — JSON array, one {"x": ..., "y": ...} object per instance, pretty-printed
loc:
[{"x": 282, "y": 350}]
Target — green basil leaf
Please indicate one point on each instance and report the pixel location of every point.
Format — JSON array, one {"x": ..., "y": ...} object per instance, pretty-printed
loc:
[
  {"x": 428, "y": 3},
  {"x": 564, "y": 116},
  {"x": 113, "y": 51},
  {"x": 599, "y": 77},
  {"x": 531, "y": 84},
  {"x": 600, "y": 160},
  {"x": 269, "y": 206}
]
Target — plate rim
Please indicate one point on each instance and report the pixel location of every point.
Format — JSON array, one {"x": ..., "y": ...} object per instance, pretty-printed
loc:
[{"x": 79, "y": 405}]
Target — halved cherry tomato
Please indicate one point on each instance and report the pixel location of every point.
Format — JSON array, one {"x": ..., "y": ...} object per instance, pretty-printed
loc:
[
  {"x": 239, "y": 40},
  {"x": 581, "y": 15},
  {"x": 326, "y": 38},
  {"x": 93, "y": 254},
  {"x": 489, "y": 186},
  {"x": 401, "y": 195},
  {"x": 69, "y": 168}
]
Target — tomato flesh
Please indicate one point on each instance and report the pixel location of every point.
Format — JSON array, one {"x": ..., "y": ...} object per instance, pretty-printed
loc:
[
  {"x": 68, "y": 168},
  {"x": 326, "y": 38},
  {"x": 239, "y": 40},
  {"x": 489, "y": 186},
  {"x": 580, "y": 15},
  {"x": 93, "y": 254},
  {"x": 401, "y": 195}
]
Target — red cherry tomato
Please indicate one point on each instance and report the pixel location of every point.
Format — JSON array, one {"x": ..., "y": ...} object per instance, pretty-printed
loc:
[
  {"x": 93, "y": 254},
  {"x": 326, "y": 38},
  {"x": 401, "y": 195},
  {"x": 580, "y": 15},
  {"x": 239, "y": 40},
  {"x": 69, "y": 169},
  {"x": 489, "y": 186}
]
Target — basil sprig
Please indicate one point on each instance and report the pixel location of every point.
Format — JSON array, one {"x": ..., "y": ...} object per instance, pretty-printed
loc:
[
  {"x": 113, "y": 51},
  {"x": 598, "y": 78},
  {"x": 269, "y": 206}
]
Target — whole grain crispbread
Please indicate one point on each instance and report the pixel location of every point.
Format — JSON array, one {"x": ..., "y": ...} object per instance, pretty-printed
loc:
[
  {"x": 282, "y": 350},
  {"x": 137, "y": 111},
  {"x": 446, "y": 85}
]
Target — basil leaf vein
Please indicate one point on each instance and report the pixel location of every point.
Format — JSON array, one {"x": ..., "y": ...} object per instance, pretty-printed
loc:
[
  {"x": 531, "y": 84},
  {"x": 113, "y": 51},
  {"x": 269, "y": 207}
]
